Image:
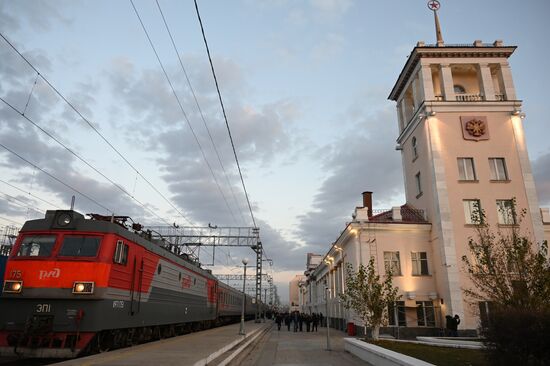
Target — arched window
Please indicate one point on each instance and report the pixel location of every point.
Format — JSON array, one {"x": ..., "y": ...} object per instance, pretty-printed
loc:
[
  {"x": 414, "y": 148},
  {"x": 459, "y": 89}
]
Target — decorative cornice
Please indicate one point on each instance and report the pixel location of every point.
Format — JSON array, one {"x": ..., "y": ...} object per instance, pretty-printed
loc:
[{"x": 450, "y": 51}]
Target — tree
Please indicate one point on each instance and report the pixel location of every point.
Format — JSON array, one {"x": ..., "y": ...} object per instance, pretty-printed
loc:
[
  {"x": 369, "y": 297},
  {"x": 510, "y": 276},
  {"x": 506, "y": 268}
]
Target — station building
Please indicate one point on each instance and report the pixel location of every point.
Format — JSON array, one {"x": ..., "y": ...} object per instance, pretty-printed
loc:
[{"x": 462, "y": 145}]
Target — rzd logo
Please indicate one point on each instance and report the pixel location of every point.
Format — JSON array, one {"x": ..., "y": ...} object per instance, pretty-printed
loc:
[{"x": 49, "y": 274}]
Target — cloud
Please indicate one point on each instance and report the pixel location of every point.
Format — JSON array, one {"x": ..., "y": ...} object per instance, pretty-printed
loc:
[
  {"x": 541, "y": 171},
  {"x": 330, "y": 10},
  {"x": 360, "y": 159},
  {"x": 39, "y": 15},
  {"x": 329, "y": 47}
]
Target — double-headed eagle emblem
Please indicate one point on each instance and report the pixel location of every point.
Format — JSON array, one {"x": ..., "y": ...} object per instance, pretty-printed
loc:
[{"x": 476, "y": 127}]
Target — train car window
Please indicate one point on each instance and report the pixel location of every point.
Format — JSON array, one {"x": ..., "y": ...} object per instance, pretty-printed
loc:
[
  {"x": 159, "y": 269},
  {"x": 121, "y": 253},
  {"x": 36, "y": 246},
  {"x": 79, "y": 246}
]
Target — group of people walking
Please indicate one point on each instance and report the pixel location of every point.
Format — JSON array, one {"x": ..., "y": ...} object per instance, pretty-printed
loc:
[{"x": 297, "y": 320}]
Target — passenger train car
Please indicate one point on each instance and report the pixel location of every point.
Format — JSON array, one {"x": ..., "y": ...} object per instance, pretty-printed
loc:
[{"x": 74, "y": 285}]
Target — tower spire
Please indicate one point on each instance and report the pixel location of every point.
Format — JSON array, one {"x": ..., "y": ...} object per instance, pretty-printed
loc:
[{"x": 434, "y": 6}]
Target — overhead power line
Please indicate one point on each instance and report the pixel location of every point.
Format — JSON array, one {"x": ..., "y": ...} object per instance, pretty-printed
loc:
[
  {"x": 30, "y": 194},
  {"x": 182, "y": 109},
  {"x": 57, "y": 179},
  {"x": 224, "y": 114},
  {"x": 20, "y": 203},
  {"x": 12, "y": 221},
  {"x": 200, "y": 110},
  {"x": 95, "y": 129},
  {"x": 47, "y": 133}
]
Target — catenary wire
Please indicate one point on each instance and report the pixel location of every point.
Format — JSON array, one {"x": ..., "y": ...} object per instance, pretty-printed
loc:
[
  {"x": 200, "y": 110},
  {"x": 20, "y": 203},
  {"x": 30, "y": 194},
  {"x": 224, "y": 114},
  {"x": 225, "y": 117},
  {"x": 56, "y": 179},
  {"x": 10, "y": 220},
  {"x": 184, "y": 115},
  {"x": 95, "y": 129},
  {"x": 182, "y": 109},
  {"x": 82, "y": 160}
]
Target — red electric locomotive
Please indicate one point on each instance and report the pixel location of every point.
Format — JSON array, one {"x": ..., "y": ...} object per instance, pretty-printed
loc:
[{"x": 74, "y": 285}]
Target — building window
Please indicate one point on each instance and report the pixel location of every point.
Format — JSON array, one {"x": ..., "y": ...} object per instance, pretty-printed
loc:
[
  {"x": 472, "y": 211},
  {"x": 418, "y": 185},
  {"x": 506, "y": 212},
  {"x": 466, "y": 169},
  {"x": 396, "y": 314},
  {"x": 392, "y": 264},
  {"x": 414, "y": 148},
  {"x": 419, "y": 264},
  {"x": 459, "y": 89},
  {"x": 425, "y": 313},
  {"x": 498, "y": 169}
]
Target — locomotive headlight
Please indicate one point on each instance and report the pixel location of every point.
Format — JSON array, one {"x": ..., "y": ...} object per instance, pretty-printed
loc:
[
  {"x": 83, "y": 287},
  {"x": 13, "y": 287}
]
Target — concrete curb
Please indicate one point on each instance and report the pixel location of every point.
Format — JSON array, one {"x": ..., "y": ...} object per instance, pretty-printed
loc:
[
  {"x": 241, "y": 348},
  {"x": 205, "y": 361},
  {"x": 380, "y": 356},
  {"x": 435, "y": 341}
]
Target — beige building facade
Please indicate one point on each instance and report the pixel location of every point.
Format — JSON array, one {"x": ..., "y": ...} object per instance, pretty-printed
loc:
[{"x": 462, "y": 145}]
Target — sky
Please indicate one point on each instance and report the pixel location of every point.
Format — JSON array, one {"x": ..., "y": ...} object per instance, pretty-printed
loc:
[{"x": 305, "y": 87}]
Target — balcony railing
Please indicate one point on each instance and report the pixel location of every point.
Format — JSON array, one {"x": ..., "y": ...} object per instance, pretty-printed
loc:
[
  {"x": 500, "y": 97},
  {"x": 469, "y": 97}
]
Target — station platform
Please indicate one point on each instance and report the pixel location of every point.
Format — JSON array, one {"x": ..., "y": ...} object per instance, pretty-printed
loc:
[
  {"x": 194, "y": 349},
  {"x": 288, "y": 348}
]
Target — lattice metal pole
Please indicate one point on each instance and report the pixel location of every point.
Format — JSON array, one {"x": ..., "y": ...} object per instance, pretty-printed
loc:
[{"x": 259, "y": 255}]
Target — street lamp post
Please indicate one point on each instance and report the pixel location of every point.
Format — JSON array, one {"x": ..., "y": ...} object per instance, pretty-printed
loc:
[
  {"x": 328, "y": 318},
  {"x": 241, "y": 330},
  {"x": 265, "y": 303}
]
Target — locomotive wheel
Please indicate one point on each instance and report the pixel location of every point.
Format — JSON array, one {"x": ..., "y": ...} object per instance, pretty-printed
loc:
[
  {"x": 104, "y": 341},
  {"x": 157, "y": 334}
]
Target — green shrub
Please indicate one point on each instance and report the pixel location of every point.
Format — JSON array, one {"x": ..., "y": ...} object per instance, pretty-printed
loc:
[{"x": 518, "y": 337}]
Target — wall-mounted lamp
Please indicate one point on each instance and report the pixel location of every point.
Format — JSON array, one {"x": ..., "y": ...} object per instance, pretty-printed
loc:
[
  {"x": 420, "y": 116},
  {"x": 411, "y": 295},
  {"x": 432, "y": 113},
  {"x": 516, "y": 112}
]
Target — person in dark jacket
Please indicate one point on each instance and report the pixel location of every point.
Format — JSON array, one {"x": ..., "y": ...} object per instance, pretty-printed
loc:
[
  {"x": 449, "y": 325},
  {"x": 278, "y": 320},
  {"x": 455, "y": 323},
  {"x": 314, "y": 321},
  {"x": 287, "y": 321}
]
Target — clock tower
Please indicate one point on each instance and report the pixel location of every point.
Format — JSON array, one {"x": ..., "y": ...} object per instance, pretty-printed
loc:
[{"x": 462, "y": 146}]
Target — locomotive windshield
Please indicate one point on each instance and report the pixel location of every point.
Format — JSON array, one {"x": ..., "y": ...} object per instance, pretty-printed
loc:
[
  {"x": 36, "y": 246},
  {"x": 79, "y": 246}
]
